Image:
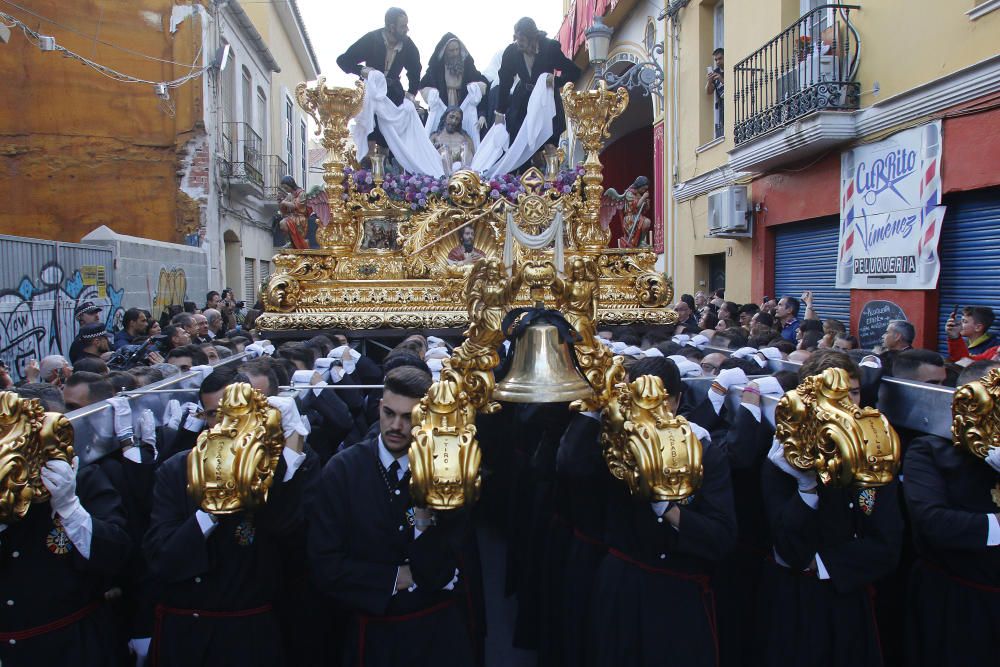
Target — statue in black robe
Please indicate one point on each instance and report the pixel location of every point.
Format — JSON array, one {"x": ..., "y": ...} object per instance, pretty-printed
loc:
[
  {"x": 450, "y": 71},
  {"x": 527, "y": 58},
  {"x": 389, "y": 51}
]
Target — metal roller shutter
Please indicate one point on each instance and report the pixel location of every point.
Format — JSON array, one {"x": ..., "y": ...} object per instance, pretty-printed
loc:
[
  {"x": 806, "y": 259},
  {"x": 970, "y": 255}
]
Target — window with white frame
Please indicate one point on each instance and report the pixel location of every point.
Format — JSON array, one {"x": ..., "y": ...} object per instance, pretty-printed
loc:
[
  {"x": 289, "y": 136},
  {"x": 718, "y": 26},
  {"x": 262, "y": 118},
  {"x": 303, "y": 152},
  {"x": 247, "y": 97}
]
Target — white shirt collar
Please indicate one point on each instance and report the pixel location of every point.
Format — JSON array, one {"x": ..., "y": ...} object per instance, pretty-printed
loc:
[{"x": 386, "y": 457}]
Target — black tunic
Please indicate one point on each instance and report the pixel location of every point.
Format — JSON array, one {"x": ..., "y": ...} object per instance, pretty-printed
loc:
[
  {"x": 806, "y": 620},
  {"x": 39, "y": 586},
  {"x": 514, "y": 105},
  {"x": 358, "y": 536},
  {"x": 954, "y": 600},
  {"x": 370, "y": 51},
  {"x": 652, "y": 602},
  {"x": 215, "y": 605}
]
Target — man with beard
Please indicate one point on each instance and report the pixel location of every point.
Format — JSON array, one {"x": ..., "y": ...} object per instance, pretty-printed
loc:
[
  {"x": 531, "y": 55},
  {"x": 466, "y": 252},
  {"x": 450, "y": 71},
  {"x": 452, "y": 142},
  {"x": 387, "y": 50}
]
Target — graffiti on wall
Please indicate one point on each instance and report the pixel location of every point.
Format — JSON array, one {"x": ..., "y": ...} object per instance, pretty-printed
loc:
[
  {"x": 36, "y": 315},
  {"x": 171, "y": 289}
]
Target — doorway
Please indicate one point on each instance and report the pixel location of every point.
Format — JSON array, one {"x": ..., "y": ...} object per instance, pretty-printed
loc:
[{"x": 716, "y": 271}]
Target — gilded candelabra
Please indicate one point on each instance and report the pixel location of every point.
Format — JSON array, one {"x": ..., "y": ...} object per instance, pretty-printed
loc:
[
  {"x": 591, "y": 113},
  {"x": 332, "y": 108}
]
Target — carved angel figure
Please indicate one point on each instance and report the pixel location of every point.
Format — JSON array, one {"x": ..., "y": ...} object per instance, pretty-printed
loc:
[{"x": 488, "y": 293}]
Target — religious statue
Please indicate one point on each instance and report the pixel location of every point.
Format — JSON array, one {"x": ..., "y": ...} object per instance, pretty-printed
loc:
[
  {"x": 531, "y": 55},
  {"x": 489, "y": 293},
  {"x": 295, "y": 212},
  {"x": 450, "y": 71},
  {"x": 452, "y": 142},
  {"x": 577, "y": 297},
  {"x": 633, "y": 204},
  {"x": 466, "y": 252}
]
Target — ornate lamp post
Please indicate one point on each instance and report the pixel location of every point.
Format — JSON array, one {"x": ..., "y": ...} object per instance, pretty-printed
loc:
[{"x": 646, "y": 75}]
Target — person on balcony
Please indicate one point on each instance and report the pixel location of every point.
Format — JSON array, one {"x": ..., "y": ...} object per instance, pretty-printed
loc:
[{"x": 715, "y": 85}]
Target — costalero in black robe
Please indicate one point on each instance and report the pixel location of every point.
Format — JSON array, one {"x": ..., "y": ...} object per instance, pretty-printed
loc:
[
  {"x": 954, "y": 601},
  {"x": 359, "y": 535},
  {"x": 42, "y": 584}
]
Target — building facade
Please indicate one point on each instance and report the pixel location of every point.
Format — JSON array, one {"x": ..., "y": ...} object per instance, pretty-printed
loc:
[{"x": 198, "y": 163}]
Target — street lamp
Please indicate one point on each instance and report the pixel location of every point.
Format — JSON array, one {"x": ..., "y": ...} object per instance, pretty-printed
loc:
[{"x": 646, "y": 75}]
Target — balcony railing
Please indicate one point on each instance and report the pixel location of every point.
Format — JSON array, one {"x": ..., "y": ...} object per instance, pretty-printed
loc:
[
  {"x": 246, "y": 162},
  {"x": 809, "y": 67},
  {"x": 274, "y": 170}
]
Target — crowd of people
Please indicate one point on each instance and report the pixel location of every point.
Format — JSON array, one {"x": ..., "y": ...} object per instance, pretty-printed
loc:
[{"x": 762, "y": 565}]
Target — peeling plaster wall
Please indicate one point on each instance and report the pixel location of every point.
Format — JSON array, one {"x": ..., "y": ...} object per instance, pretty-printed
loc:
[{"x": 79, "y": 150}]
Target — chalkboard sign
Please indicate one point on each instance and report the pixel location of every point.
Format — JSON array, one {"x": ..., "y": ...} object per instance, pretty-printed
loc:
[{"x": 874, "y": 320}]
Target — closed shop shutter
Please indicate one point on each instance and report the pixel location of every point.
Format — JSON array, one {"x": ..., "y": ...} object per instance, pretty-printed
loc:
[
  {"x": 970, "y": 255},
  {"x": 249, "y": 281},
  {"x": 805, "y": 256}
]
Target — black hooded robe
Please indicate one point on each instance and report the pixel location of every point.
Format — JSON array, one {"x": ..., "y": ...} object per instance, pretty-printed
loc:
[{"x": 434, "y": 77}]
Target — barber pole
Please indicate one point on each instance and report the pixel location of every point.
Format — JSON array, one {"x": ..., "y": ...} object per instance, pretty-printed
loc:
[
  {"x": 846, "y": 258},
  {"x": 931, "y": 214}
]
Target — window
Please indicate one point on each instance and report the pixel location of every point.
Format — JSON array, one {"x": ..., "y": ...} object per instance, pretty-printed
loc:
[
  {"x": 247, "y": 97},
  {"x": 265, "y": 270},
  {"x": 228, "y": 99},
  {"x": 289, "y": 136},
  {"x": 262, "y": 118},
  {"x": 718, "y": 26},
  {"x": 249, "y": 281},
  {"x": 303, "y": 152},
  {"x": 649, "y": 40}
]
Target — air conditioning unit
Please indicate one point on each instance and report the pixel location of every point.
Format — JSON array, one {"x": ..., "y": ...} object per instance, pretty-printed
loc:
[{"x": 728, "y": 210}]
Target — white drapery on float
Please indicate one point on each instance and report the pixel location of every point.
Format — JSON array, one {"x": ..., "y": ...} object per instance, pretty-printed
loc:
[{"x": 411, "y": 146}]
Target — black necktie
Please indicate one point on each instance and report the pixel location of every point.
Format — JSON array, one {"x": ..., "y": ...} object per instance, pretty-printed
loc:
[{"x": 392, "y": 472}]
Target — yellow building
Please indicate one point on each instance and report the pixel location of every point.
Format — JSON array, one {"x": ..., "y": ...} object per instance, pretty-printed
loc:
[{"x": 755, "y": 199}]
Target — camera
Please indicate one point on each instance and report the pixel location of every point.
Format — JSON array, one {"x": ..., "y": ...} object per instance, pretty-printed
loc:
[{"x": 131, "y": 356}]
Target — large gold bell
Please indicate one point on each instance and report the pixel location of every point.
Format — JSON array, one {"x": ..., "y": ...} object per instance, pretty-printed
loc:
[{"x": 542, "y": 370}]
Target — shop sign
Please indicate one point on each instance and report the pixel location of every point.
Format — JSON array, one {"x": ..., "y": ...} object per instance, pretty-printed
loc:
[{"x": 890, "y": 212}]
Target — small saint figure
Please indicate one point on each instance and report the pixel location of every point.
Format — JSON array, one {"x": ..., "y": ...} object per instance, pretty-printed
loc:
[
  {"x": 452, "y": 142},
  {"x": 466, "y": 252},
  {"x": 295, "y": 212},
  {"x": 633, "y": 204}
]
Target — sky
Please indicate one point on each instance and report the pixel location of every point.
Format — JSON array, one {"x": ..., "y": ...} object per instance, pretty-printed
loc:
[{"x": 484, "y": 27}]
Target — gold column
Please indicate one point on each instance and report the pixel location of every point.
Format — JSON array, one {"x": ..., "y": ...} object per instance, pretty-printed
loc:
[
  {"x": 591, "y": 112},
  {"x": 332, "y": 108}
]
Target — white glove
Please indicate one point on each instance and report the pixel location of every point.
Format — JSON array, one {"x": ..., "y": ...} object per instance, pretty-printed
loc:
[
  {"x": 268, "y": 347},
  {"x": 687, "y": 368},
  {"x": 146, "y": 428},
  {"x": 437, "y": 353},
  {"x": 871, "y": 361},
  {"x": 193, "y": 423},
  {"x": 698, "y": 341},
  {"x": 769, "y": 386},
  {"x": 322, "y": 366},
  {"x": 434, "y": 341},
  {"x": 771, "y": 353},
  {"x": 347, "y": 357},
  {"x": 730, "y": 377},
  {"x": 203, "y": 371},
  {"x": 993, "y": 458},
  {"x": 744, "y": 352},
  {"x": 172, "y": 414},
  {"x": 122, "y": 417},
  {"x": 680, "y": 339},
  {"x": 59, "y": 478},
  {"x": 806, "y": 480},
  {"x": 436, "y": 366},
  {"x": 254, "y": 350},
  {"x": 291, "y": 420}
]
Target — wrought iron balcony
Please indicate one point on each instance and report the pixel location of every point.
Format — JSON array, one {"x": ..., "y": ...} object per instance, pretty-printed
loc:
[
  {"x": 810, "y": 66},
  {"x": 274, "y": 170},
  {"x": 246, "y": 162}
]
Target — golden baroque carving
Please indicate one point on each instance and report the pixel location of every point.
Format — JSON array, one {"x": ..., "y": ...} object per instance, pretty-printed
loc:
[
  {"x": 654, "y": 290},
  {"x": 445, "y": 456},
  {"x": 975, "y": 424},
  {"x": 281, "y": 292},
  {"x": 231, "y": 467},
  {"x": 822, "y": 430},
  {"x": 30, "y": 437},
  {"x": 655, "y": 453}
]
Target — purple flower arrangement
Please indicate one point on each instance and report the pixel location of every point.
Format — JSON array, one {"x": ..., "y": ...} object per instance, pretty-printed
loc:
[{"x": 415, "y": 189}]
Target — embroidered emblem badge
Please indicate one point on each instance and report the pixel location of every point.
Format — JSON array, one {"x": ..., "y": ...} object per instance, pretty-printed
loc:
[
  {"x": 686, "y": 501},
  {"x": 245, "y": 532},
  {"x": 410, "y": 518},
  {"x": 866, "y": 501},
  {"x": 57, "y": 540}
]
